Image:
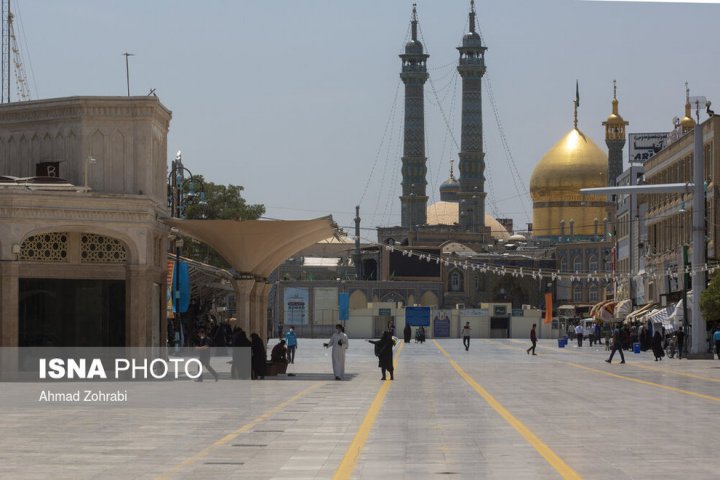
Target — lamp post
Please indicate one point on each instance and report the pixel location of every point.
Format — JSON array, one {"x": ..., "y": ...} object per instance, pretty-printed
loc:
[{"x": 181, "y": 193}]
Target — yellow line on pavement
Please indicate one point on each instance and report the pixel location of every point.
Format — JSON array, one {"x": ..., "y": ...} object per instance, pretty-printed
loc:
[
  {"x": 669, "y": 370},
  {"x": 551, "y": 457},
  {"x": 673, "y": 372},
  {"x": 645, "y": 382},
  {"x": 233, "y": 435},
  {"x": 352, "y": 454}
]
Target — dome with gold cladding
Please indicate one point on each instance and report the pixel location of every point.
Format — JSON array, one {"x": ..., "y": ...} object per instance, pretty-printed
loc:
[{"x": 573, "y": 163}]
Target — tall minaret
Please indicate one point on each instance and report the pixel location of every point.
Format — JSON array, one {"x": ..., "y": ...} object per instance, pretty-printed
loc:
[
  {"x": 414, "y": 75},
  {"x": 472, "y": 158},
  {"x": 615, "y": 140}
]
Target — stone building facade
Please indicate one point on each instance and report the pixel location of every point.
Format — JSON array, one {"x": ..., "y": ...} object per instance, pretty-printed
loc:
[
  {"x": 82, "y": 254},
  {"x": 669, "y": 216}
]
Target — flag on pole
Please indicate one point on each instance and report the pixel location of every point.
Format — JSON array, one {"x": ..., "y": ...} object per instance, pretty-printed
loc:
[{"x": 548, "y": 307}]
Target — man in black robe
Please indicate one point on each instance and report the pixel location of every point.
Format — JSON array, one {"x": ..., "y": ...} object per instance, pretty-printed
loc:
[{"x": 407, "y": 332}]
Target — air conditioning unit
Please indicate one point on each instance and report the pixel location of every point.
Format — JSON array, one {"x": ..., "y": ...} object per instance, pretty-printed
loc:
[
  {"x": 527, "y": 307},
  {"x": 459, "y": 306}
]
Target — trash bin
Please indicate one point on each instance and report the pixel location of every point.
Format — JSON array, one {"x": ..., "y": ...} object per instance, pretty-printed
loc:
[
  {"x": 636, "y": 348},
  {"x": 561, "y": 343}
]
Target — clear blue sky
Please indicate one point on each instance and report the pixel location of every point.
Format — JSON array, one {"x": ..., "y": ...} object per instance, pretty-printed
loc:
[{"x": 291, "y": 98}]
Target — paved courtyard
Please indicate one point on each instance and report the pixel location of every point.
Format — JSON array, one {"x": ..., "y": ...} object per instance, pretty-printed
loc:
[{"x": 492, "y": 412}]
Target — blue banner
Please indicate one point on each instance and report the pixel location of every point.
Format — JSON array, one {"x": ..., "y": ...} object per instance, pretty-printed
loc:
[
  {"x": 183, "y": 292},
  {"x": 441, "y": 327},
  {"x": 344, "y": 306},
  {"x": 417, "y": 316}
]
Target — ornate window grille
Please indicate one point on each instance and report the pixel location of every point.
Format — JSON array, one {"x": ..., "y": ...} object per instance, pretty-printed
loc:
[
  {"x": 45, "y": 247},
  {"x": 101, "y": 249}
]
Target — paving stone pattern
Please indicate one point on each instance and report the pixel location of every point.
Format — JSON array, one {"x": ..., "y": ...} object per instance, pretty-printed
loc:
[{"x": 432, "y": 423}]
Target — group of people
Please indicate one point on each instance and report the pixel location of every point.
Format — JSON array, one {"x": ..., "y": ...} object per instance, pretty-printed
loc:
[
  {"x": 239, "y": 338},
  {"x": 620, "y": 337},
  {"x": 593, "y": 336}
]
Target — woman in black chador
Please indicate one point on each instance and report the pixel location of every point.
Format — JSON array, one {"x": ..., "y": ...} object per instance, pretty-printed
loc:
[
  {"x": 407, "y": 332},
  {"x": 657, "y": 347},
  {"x": 239, "y": 340},
  {"x": 384, "y": 352},
  {"x": 259, "y": 356}
]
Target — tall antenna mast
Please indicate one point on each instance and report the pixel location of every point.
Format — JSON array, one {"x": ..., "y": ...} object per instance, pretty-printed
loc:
[
  {"x": 11, "y": 57},
  {"x": 5, "y": 61}
]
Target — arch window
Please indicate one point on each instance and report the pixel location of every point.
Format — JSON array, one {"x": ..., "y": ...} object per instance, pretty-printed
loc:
[
  {"x": 577, "y": 264},
  {"x": 456, "y": 281},
  {"x": 593, "y": 294},
  {"x": 593, "y": 264},
  {"x": 577, "y": 293}
]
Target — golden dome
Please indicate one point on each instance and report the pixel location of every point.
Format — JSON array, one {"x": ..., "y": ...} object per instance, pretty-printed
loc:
[
  {"x": 446, "y": 213},
  {"x": 573, "y": 163},
  {"x": 687, "y": 123}
]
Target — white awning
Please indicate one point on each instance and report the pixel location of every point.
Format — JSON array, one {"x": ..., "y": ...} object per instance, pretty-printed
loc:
[{"x": 256, "y": 247}]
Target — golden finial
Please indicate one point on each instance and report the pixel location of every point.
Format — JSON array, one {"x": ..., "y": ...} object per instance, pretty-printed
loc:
[
  {"x": 615, "y": 100},
  {"x": 687, "y": 123},
  {"x": 576, "y": 104}
]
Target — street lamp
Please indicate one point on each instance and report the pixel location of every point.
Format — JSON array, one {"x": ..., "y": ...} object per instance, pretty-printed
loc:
[{"x": 181, "y": 193}]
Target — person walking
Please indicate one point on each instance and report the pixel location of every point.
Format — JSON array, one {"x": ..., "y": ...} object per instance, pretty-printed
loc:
[
  {"x": 617, "y": 346},
  {"x": 716, "y": 339},
  {"x": 598, "y": 338},
  {"x": 407, "y": 333},
  {"x": 679, "y": 342},
  {"x": 203, "y": 347},
  {"x": 384, "y": 352},
  {"x": 657, "y": 346},
  {"x": 466, "y": 336},
  {"x": 579, "y": 334},
  {"x": 339, "y": 343},
  {"x": 292, "y": 343},
  {"x": 533, "y": 339}
]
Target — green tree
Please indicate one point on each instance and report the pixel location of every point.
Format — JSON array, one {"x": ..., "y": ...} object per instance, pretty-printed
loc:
[
  {"x": 222, "y": 202},
  {"x": 710, "y": 300}
]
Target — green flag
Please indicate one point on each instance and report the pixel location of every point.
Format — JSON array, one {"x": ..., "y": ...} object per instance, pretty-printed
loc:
[{"x": 577, "y": 94}]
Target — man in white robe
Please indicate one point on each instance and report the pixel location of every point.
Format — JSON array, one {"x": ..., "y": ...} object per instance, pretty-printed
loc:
[{"x": 339, "y": 343}]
